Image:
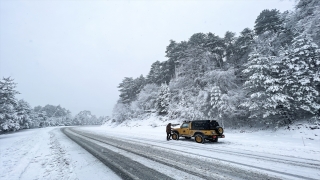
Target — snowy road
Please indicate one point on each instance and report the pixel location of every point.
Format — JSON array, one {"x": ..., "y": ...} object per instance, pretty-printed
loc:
[
  {"x": 47, "y": 154},
  {"x": 138, "y": 150},
  {"x": 185, "y": 159}
]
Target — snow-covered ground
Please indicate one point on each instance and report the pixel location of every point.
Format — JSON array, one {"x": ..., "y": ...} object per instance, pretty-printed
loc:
[
  {"x": 300, "y": 140},
  {"x": 289, "y": 148},
  {"x": 46, "y": 153}
]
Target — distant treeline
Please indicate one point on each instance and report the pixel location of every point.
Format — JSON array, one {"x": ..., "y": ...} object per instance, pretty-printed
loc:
[
  {"x": 269, "y": 75},
  {"x": 18, "y": 114}
]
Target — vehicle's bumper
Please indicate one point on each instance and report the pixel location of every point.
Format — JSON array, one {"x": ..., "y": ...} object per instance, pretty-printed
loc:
[{"x": 215, "y": 136}]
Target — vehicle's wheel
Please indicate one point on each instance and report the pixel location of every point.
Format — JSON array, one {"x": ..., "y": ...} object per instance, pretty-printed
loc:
[
  {"x": 199, "y": 138},
  {"x": 219, "y": 130},
  {"x": 175, "y": 136},
  {"x": 187, "y": 137}
]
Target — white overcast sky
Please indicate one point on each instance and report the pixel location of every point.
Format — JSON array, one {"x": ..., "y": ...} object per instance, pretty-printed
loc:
[{"x": 75, "y": 53}]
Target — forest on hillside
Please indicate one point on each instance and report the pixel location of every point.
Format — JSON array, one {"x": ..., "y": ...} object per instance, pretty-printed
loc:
[{"x": 269, "y": 75}]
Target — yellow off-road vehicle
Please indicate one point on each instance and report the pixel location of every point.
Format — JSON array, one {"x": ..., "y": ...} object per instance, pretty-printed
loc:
[{"x": 201, "y": 130}]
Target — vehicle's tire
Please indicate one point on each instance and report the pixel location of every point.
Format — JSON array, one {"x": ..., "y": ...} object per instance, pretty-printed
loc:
[
  {"x": 219, "y": 130},
  {"x": 175, "y": 136},
  {"x": 199, "y": 138},
  {"x": 187, "y": 137}
]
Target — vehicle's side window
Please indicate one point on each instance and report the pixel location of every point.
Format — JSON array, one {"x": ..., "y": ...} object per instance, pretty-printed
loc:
[{"x": 184, "y": 125}]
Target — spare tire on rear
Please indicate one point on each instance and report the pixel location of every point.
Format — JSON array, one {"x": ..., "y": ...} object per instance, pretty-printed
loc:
[{"x": 219, "y": 130}]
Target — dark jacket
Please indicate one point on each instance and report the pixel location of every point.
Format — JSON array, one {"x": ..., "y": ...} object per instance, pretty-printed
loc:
[{"x": 168, "y": 128}]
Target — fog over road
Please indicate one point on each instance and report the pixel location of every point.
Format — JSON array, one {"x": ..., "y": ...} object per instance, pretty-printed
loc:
[{"x": 146, "y": 158}]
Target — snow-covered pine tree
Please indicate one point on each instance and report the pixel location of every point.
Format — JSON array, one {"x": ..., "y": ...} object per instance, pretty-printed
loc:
[
  {"x": 301, "y": 73},
  {"x": 24, "y": 113},
  {"x": 264, "y": 86},
  {"x": 215, "y": 97},
  {"x": 126, "y": 90},
  {"x": 307, "y": 19},
  {"x": 40, "y": 117},
  {"x": 215, "y": 102},
  {"x": 243, "y": 46},
  {"x": 268, "y": 20},
  {"x": 8, "y": 116},
  {"x": 163, "y": 99},
  {"x": 155, "y": 73},
  {"x": 129, "y": 89},
  {"x": 220, "y": 105}
]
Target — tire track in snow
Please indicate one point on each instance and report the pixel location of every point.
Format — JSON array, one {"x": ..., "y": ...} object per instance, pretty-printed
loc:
[
  {"x": 20, "y": 159},
  {"x": 194, "y": 166},
  {"x": 123, "y": 166},
  {"x": 265, "y": 158},
  {"x": 302, "y": 162},
  {"x": 49, "y": 161}
]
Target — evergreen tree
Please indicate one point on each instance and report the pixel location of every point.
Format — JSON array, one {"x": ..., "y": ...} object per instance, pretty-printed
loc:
[
  {"x": 163, "y": 100},
  {"x": 215, "y": 100},
  {"x": 215, "y": 96},
  {"x": 268, "y": 20},
  {"x": 264, "y": 86},
  {"x": 24, "y": 113},
  {"x": 40, "y": 118},
  {"x": 155, "y": 73},
  {"x": 126, "y": 91},
  {"x": 306, "y": 19},
  {"x": 300, "y": 74},
  {"x": 130, "y": 88},
  {"x": 243, "y": 46},
  {"x": 216, "y": 46},
  {"x": 167, "y": 71},
  {"x": 8, "y": 116},
  {"x": 176, "y": 52},
  {"x": 138, "y": 85},
  {"x": 229, "y": 41}
]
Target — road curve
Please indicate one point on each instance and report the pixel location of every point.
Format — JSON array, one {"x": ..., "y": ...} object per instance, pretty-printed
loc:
[
  {"x": 107, "y": 149},
  {"x": 124, "y": 167}
]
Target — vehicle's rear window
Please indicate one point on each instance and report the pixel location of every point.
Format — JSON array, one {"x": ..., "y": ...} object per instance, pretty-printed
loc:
[{"x": 204, "y": 125}]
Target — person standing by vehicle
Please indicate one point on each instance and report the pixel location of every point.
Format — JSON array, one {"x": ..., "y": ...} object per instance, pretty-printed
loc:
[{"x": 168, "y": 129}]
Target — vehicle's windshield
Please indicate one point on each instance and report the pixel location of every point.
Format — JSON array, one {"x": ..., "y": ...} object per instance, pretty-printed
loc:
[{"x": 185, "y": 125}]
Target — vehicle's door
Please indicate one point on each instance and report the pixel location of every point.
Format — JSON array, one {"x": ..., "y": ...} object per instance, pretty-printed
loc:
[{"x": 185, "y": 129}]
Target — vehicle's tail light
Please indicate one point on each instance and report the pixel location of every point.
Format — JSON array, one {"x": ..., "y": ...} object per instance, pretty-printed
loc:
[{"x": 214, "y": 137}]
